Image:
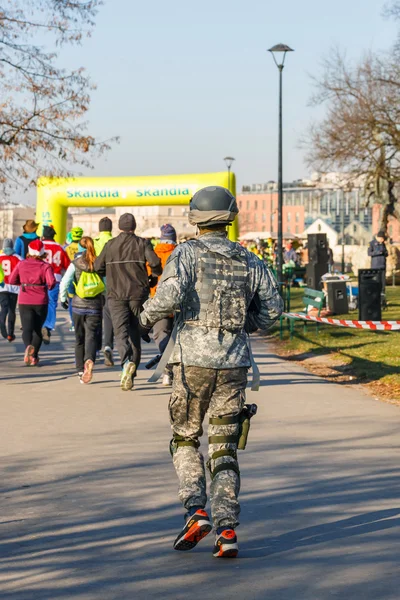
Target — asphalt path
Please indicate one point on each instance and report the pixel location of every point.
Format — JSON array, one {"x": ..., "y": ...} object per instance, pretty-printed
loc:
[{"x": 89, "y": 505}]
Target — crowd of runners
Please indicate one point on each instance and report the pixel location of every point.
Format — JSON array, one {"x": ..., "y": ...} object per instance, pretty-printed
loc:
[{"x": 102, "y": 282}]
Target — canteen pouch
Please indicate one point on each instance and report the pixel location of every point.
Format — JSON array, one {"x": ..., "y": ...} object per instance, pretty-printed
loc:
[{"x": 249, "y": 410}]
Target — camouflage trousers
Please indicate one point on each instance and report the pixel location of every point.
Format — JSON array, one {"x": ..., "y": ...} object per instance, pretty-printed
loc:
[{"x": 197, "y": 390}]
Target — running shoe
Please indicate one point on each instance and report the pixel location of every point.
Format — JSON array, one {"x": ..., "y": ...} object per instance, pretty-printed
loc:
[
  {"x": 167, "y": 379},
  {"x": 108, "y": 357},
  {"x": 80, "y": 374},
  {"x": 71, "y": 328},
  {"x": 11, "y": 338},
  {"x": 29, "y": 352},
  {"x": 88, "y": 371},
  {"x": 3, "y": 331},
  {"x": 128, "y": 371},
  {"x": 196, "y": 528},
  {"x": 34, "y": 361},
  {"x": 226, "y": 545},
  {"x": 46, "y": 334}
]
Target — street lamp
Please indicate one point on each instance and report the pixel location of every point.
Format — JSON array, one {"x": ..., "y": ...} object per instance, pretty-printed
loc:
[
  {"x": 346, "y": 190},
  {"x": 229, "y": 161},
  {"x": 279, "y": 54},
  {"x": 342, "y": 228}
]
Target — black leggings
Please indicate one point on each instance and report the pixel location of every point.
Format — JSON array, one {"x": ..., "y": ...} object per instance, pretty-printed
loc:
[
  {"x": 32, "y": 318},
  {"x": 8, "y": 304},
  {"x": 107, "y": 327},
  {"x": 125, "y": 319},
  {"x": 86, "y": 338}
]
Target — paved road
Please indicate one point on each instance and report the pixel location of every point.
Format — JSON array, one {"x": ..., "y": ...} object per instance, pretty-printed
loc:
[{"x": 88, "y": 492}]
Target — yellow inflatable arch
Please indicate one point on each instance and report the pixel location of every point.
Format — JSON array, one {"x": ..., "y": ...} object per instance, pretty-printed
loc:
[{"x": 56, "y": 195}]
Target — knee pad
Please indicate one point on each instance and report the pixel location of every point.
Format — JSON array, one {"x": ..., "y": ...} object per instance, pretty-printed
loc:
[
  {"x": 179, "y": 442},
  {"x": 223, "y": 466}
]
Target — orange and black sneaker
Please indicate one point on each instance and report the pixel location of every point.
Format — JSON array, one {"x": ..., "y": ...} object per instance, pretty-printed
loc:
[
  {"x": 29, "y": 352},
  {"x": 196, "y": 528},
  {"x": 87, "y": 371},
  {"x": 226, "y": 544}
]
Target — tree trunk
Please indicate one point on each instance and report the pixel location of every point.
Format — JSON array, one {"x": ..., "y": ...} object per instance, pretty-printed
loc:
[{"x": 389, "y": 208}]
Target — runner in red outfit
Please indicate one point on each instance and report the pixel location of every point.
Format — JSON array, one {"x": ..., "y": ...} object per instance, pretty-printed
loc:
[
  {"x": 59, "y": 260},
  {"x": 35, "y": 279}
]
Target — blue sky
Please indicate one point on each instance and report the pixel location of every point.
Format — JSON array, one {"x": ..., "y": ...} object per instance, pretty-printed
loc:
[{"x": 186, "y": 83}]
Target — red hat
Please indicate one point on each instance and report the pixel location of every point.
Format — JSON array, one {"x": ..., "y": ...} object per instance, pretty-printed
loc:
[{"x": 36, "y": 248}]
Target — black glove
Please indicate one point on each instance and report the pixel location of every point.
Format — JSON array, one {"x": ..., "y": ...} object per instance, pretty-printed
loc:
[
  {"x": 153, "y": 280},
  {"x": 250, "y": 327},
  {"x": 254, "y": 309},
  {"x": 65, "y": 304},
  {"x": 144, "y": 331},
  {"x": 255, "y": 304}
]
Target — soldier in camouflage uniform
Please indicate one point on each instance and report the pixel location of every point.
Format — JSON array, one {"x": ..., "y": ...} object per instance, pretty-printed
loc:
[{"x": 211, "y": 283}]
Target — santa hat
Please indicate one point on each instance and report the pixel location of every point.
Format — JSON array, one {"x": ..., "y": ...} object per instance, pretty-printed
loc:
[{"x": 36, "y": 248}]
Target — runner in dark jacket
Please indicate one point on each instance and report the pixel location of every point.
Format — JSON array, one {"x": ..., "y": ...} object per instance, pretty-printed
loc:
[{"x": 123, "y": 261}]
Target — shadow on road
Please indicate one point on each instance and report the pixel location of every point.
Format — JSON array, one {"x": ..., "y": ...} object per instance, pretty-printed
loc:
[
  {"x": 371, "y": 522},
  {"x": 101, "y": 531},
  {"x": 93, "y": 516}
]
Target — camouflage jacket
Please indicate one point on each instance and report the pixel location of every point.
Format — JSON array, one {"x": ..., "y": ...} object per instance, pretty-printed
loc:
[{"x": 199, "y": 344}]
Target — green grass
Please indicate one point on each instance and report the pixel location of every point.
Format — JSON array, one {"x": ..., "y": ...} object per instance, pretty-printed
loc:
[{"x": 371, "y": 357}]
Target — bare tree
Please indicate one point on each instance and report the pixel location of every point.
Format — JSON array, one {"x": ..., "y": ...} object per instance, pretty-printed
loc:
[
  {"x": 42, "y": 105},
  {"x": 392, "y": 11},
  {"x": 360, "y": 133}
]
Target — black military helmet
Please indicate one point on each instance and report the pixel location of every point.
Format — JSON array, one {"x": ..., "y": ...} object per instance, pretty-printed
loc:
[{"x": 211, "y": 201}]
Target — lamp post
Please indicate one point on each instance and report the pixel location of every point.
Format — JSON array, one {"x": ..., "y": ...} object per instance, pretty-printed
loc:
[
  {"x": 342, "y": 228},
  {"x": 346, "y": 190},
  {"x": 271, "y": 221},
  {"x": 229, "y": 161},
  {"x": 279, "y": 54}
]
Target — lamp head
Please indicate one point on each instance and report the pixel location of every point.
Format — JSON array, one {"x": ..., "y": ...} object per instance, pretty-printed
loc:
[
  {"x": 279, "y": 52},
  {"x": 228, "y": 161}
]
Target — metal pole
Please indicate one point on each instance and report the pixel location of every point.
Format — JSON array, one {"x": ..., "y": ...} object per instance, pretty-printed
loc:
[
  {"x": 271, "y": 213},
  {"x": 280, "y": 185},
  {"x": 343, "y": 265}
]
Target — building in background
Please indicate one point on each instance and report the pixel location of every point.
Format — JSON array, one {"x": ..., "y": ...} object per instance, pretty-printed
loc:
[
  {"x": 258, "y": 212},
  {"x": 320, "y": 226},
  {"x": 323, "y": 200},
  {"x": 12, "y": 219},
  {"x": 327, "y": 197},
  {"x": 149, "y": 219},
  {"x": 355, "y": 234},
  {"x": 89, "y": 219}
]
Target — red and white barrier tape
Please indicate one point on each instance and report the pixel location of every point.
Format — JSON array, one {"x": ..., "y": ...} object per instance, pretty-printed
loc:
[{"x": 374, "y": 325}]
